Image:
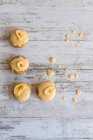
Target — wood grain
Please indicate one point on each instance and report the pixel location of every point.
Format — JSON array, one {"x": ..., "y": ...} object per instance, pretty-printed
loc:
[
  {"x": 47, "y": 22},
  {"x": 38, "y": 128}
]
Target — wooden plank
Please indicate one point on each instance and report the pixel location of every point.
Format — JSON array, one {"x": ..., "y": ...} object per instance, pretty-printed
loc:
[
  {"x": 9, "y": 107},
  {"x": 46, "y": 129},
  {"x": 52, "y": 3},
  {"x": 65, "y": 55},
  {"x": 53, "y": 19}
]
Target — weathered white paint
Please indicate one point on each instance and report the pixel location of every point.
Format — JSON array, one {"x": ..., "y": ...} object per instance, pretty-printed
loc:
[
  {"x": 49, "y": 128},
  {"x": 47, "y": 22}
]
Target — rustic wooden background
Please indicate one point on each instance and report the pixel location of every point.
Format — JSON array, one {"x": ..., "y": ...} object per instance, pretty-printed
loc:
[{"x": 47, "y": 22}]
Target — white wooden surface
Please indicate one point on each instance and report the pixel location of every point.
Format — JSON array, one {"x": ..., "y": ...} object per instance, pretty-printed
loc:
[{"x": 47, "y": 21}]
